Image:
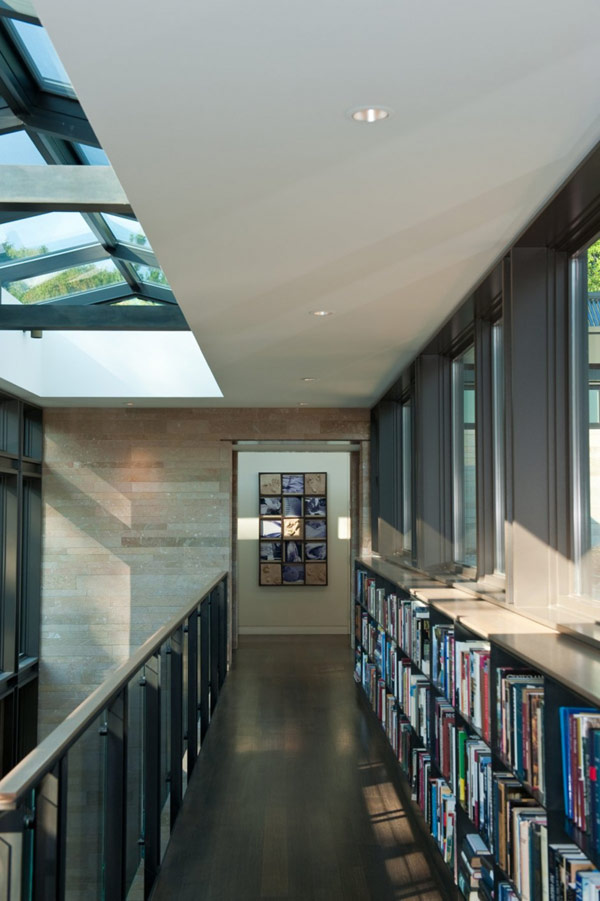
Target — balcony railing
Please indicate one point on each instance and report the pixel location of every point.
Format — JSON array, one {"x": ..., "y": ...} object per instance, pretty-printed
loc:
[{"x": 88, "y": 813}]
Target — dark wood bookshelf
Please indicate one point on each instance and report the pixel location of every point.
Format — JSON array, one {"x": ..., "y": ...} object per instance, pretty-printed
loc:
[{"x": 570, "y": 672}]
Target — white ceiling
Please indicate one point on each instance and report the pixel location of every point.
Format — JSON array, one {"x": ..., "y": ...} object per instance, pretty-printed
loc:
[{"x": 226, "y": 124}]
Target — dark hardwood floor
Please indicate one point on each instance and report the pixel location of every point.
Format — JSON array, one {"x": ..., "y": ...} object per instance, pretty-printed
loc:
[{"x": 291, "y": 798}]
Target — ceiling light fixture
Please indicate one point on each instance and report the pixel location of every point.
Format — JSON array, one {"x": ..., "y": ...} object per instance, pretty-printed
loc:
[
  {"x": 321, "y": 313},
  {"x": 303, "y": 404},
  {"x": 309, "y": 378},
  {"x": 370, "y": 114}
]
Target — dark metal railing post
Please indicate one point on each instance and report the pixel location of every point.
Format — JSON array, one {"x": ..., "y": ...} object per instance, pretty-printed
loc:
[
  {"x": 214, "y": 648},
  {"x": 204, "y": 667},
  {"x": 176, "y": 722},
  {"x": 115, "y": 807},
  {"x": 151, "y": 773},
  {"x": 50, "y": 834},
  {"x": 192, "y": 693}
]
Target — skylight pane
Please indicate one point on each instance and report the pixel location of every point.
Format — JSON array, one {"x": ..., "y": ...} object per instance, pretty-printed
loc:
[
  {"x": 152, "y": 275},
  {"x": 66, "y": 282},
  {"x": 127, "y": 231},
  {"x": 40, "y": 54},
  {"x": 41, "y": 235},
  {"x": 93, "y": 156},
  {"x": 17, "y": 149}
]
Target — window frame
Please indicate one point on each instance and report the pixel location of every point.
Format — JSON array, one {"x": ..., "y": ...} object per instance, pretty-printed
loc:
[{"x": 458, "y": 425}]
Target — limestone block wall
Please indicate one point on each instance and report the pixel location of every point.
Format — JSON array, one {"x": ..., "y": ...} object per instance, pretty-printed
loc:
[{"x": 137, "y": 516}]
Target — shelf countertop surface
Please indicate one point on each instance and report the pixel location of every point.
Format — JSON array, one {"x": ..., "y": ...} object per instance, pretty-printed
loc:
[{"x": 556, "y": 654}]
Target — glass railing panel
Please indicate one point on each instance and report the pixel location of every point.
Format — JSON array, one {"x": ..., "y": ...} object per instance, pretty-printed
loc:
[
  {"x": 86, "y": 795},
  {"x": 134, "y": 828},
  {"x": 165, "y": 747}
]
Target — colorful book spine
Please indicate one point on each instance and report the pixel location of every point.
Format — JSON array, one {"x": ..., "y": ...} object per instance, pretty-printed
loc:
[{"x": 580, "y": 743}]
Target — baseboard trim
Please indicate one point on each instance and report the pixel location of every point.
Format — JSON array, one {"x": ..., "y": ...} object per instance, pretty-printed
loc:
[{"x": 293, "y": 630}]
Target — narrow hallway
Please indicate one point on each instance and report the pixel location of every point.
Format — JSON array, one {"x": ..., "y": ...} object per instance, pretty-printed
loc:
[{"x": 290, "y": 798}]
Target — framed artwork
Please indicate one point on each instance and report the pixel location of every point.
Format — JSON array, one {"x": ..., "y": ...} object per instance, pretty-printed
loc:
[{"x": 292, "y": 512}]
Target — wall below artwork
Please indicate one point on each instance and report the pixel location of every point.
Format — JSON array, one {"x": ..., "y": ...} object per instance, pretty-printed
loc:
[{"x": 294, "y": 609}]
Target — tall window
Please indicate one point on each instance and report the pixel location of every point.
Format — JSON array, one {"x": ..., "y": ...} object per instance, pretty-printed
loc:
[
  {"x": 407, "y": 482},
  {"x": 20, "y": 553},
  {"x": 498, "y": 444},
  {"x": 464, "y": 459},
  {"x": 585, "y": 357}
]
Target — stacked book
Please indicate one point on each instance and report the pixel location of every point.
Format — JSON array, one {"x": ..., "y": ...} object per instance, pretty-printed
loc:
[
  {"x": 520, "y": 715},
  {"x": 469, "y": 867},
  {"x": 473, "y": 683},
  {"x": 443, "y": 659},
  {"x": 580, "y": 741}
]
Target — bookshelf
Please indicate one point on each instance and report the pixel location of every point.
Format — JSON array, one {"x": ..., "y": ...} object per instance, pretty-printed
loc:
[{"x": 492, "y": 719}]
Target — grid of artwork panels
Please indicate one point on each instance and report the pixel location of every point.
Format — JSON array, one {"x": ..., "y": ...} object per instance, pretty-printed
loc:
[{"x": 292, "y": 528}]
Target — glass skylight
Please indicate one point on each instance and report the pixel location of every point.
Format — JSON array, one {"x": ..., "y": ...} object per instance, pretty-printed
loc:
[
  {"x": 17, "y": 149},
  {"x": 41, "y": 235},
  {"x": 66, "y": 282},
  {"x": 152, "y": 275},
  {"x": 39, "y": 51},
  {"x": 127, "y": 231},
  {"x": 93, "y": 156}
]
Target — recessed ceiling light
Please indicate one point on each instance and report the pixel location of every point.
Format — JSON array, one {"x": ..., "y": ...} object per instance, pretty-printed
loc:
[
  {"x": 321, "y": 313},
  {"x": 370, "y": 114},
  {"x": 309, "y": 378}
]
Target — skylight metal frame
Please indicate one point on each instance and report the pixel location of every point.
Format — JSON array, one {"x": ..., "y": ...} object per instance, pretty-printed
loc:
[{"x": 55, "y": 124}]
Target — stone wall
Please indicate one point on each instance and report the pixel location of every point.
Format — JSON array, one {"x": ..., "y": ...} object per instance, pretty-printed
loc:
[{"x": 137, "y": 516}]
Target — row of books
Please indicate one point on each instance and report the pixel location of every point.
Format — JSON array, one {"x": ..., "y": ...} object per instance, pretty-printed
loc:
[
  {"x": 473, "y": 683},
  {"x": 454, "y": 765},
  {"x": 520, "y": 723},
  {"x": 396, "y": 724},
  {"x": 406, "y": 621},
  {"x": 369, "y": 634},
  {"x": 520, "y": 836},
  {"x": 444, "y": 745},
  {"x": 437, "y": 802},
  {"x": 580, "y": 743},
  {"x": 442, "y": 659},
  {"x": 474, "y": 782},
  {"x": 414, "y": 632}
]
